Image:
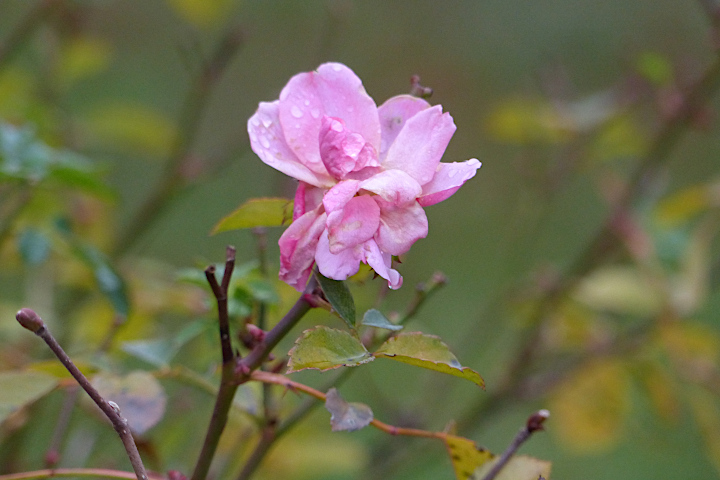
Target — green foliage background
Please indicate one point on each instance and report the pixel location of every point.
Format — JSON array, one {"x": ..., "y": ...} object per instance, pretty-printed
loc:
[{"x": 559, "y": 99}]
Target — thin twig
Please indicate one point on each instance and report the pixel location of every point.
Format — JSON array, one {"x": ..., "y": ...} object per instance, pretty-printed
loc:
[
  {"x": 76, "y": 472},
  {"x": 317, "y": 394},
  {"x": 52, "y": 457},
  {"x": 32, "y": 321},
  {"x": 534, "y": 424}
]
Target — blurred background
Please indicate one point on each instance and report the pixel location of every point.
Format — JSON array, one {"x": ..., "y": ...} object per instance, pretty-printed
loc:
[{"x": 582, "y": 260}]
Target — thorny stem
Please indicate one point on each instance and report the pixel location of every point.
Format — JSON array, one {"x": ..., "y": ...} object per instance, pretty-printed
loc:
[
  {"x": 30, "y": 320},
  {"x": 76, "y": 472},
  {"x": 228, "y": 387},
  {"x": 534, "y": 424}
]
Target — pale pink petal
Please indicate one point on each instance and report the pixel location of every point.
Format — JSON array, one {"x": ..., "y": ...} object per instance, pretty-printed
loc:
[
  {"x": 340, "y": 194},
  {"x": 354, "y": 224},
  {"x": 382, "y": 263},
  {"x": 337, "y": 266},
  {"x": 394, "y": 186},
  {"x": 307, "y": 198},
  {"x": 393, "y": 115},
  {"x": 268, "y": 142},
  {"x": 400, "y": 227},
  {"x": 419, "y": 146},
  {"x": 332, "y": 90},
  {"x": 448, "y": 178},
  {"x": 297, "y": 248},
  {"x": 343, "y": 151}
]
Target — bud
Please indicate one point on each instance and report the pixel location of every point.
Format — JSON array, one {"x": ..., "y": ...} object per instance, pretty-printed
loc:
[
  {"x": 29, "y": 319},
  {"x": 536, "y": 420}
]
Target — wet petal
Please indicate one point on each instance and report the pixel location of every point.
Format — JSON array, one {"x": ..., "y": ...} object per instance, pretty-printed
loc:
[
  {"x": 419, "y": 146},
  {"x": 307, "y": 198},
  {"x": 394, "y": 186},
  {"x": 343, "y": 151},
  {"x": 400, "y": 227},
  {"x": 448, "y": 178},
  {"x": 337, "y": 266},
  {"x": 354, "y": 224},
  {"x": 333, "y": 90},
  {"x": 340, "y": 194},
  {"x": 268, "y": 142},
  {"x": 382, "y": 263},
  {"x": 393, "y": 115},
  {"x": 297, "y": 248}
]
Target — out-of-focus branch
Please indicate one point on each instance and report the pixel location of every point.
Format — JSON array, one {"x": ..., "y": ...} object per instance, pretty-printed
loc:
[
  {"x": 11, "y": 44},
  {"x": 172, "y": 179},
  {"x": 31, "y": 321},
  {"x": 76, "y": 472}
]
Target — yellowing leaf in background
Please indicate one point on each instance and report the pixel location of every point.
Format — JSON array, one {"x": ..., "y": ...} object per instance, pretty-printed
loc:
[
  {"x": 693, "y": 345},
  {"x": 524, "y": 120},
  {"x": 685, "y": 204},
  {"x": 257, "y": 212},
  {"x": 202, "y": 13},
  {"x": 590, "y": 407},
  {"x": 465, "y": 456},
  {"x": 520, "y": 467},
  {"x": 131, "y": 126},
  {"x": 623, "y": 290},
  {"x": 83, "y": 57}
]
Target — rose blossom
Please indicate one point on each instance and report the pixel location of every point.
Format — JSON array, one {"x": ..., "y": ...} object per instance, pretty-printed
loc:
[{"x": 365, "y": 172}]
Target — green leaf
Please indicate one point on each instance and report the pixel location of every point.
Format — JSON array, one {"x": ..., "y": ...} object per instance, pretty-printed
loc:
[
  {"x": 109, "y": 282},
  {"x": 374, "y": 318},
  {"x": 257, "y": 212},
  {"x": 34, "y": 246},
  {"x": 346, "y": 416},
  {"x": 323, "y": 348},
  {"x": 139, "y": 395},
  {"x": 520, "y": 467},
  {"x": 465, "y": 456},
  {"x": 426, "y": 351},
  {"x": 18, "y": 389},
  {"x": 160, "y": 352},
  {"x": 339, "y": 297}
]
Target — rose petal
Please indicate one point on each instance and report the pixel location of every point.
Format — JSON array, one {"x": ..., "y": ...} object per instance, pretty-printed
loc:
[
  {"x": 419, "y": 146},
  {"x": 268, "y": 142},
  {"x": 354, "y": 224},
  {"x": 381, "y": 263},
  {"x": 340, "y": 194},
  {"x": 393, "y": 115},
  {"x": 400, "y": 227},
  {"x": 448, "y": 178},
  {"x": 337, "y": 266},
  {"x": 343, "y": 151},
  {"x": 307, "y": 198},
  {"x": 297, "y": 248},
  {"x": 394, "y": 186},
  {"x": 333, "y": 90}
]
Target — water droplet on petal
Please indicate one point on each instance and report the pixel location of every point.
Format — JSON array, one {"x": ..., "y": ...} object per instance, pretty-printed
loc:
[
  {"x": 255, "y": 122},
  {"x": 307, "y": 102},
  {"x": 315, "y": 113},
  {"x": 265, "y": 142},
  {"x": 452, "y": 173},
  {"x": 296, "y": 112}
]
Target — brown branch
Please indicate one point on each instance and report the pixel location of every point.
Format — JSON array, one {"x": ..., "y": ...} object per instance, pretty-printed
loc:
[
  {"x": 76, "y": 472},
  {"x": 32, "y": 321}
]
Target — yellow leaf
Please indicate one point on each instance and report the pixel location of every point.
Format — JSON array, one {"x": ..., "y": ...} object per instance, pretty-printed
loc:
[
  {"x": 687, "y": 203},
  {"x": 591, "y": 406},
  {"x": 622, "y": 290},
  {"x": 465, "y": 456},
  {"x": 257, "y": 212},
  {"x": 520, "y": 467},
  {"x": 525, "y": 121},
  {"x": 202, "y": 13},
  {"x": 695, "y": 346},
  {"x": 135, "y": 127},
  {"x": 83, "y": 57}
]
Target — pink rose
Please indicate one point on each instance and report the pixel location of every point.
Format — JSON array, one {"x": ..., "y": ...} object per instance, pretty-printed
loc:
[{"x": 365, "y": 172}]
